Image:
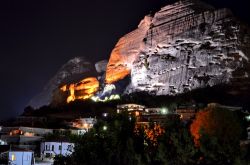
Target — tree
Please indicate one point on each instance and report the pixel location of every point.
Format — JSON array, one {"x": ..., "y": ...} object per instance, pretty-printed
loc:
[
  {"x": 62, "y": 160},
  {"x": 213, "y": 139},
  {"x": 176, "y": 146},
  {"x": 217, "y": 134},
  {"x": 116, "y": 144}
]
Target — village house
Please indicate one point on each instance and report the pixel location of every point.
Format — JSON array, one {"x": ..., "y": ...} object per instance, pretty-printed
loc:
[
  {"x": 50, "y": 148},
  {"x": 16, "y": 156}
]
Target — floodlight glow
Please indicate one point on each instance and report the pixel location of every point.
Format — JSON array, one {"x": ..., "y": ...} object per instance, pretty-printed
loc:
[
  {"x": 248, "y": 118},
  {"x": 164, "y": 111},
  {"x": 105, "y": 114},
  {"x": 105, "y": 128},
  {"x": 110, "y": 98}
]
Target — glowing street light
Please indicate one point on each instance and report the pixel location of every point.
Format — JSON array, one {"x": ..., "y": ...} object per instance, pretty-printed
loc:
[
  {"x": 104, "y": 128},
  {"x": 164, "y": 111},
  {"x": 248, "y": 118},
  {"x": 105, "y": 114}
]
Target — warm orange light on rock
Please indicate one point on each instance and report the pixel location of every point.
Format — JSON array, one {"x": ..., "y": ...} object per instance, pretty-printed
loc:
[
  {"x": 82, "y": 90},
  {"x": 64, "y": 88},
  {"x": 118, "y": 67},
  {"x": 126, "y": 51},
  {"x": 114, "y": 76}
]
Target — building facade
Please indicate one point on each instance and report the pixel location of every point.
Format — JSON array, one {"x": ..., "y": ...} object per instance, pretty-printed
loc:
[
  {"x": 18, "y": 157},
  {"x": 49, "y": 149}
]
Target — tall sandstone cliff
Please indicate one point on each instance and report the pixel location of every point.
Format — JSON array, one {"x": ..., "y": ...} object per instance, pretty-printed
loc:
[{"x": 184, "y": 46}]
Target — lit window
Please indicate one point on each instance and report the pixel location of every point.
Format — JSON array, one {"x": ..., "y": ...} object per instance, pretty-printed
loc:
[
  {"x": 13, "y": 157},
  {"x": 164, "y": 111},
  {"x": 85, "y": 125}
]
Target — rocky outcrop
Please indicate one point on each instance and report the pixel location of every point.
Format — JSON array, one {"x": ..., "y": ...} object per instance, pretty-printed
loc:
[
  {"x": 101, "y": 66},
  {"x": 184, "y": 46},
  {"x": 73, "y": 71},
  {"x": 125, "y": 52},
  {"x": 82, "y": 90}
]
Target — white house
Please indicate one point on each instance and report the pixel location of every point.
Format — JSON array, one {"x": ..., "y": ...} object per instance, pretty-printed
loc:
[
  {"x": 248, "y": 133},
  {"x": 49, "y": 149},
  {"x": 130, "y": 107},
  {"x": 19, "y": 156},
  {"x": 78, "y": 131}
]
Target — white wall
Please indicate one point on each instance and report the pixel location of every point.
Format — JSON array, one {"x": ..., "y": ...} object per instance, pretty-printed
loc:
[
  {"x": 248, "y": 133},
  {"x": 47, "y": 148},
  {"x": 21, "y": 157},
  {"x": 78, "y": 131}
]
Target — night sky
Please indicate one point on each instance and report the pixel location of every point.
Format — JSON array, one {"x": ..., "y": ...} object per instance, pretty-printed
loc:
[{"x": 38, "y": 37}]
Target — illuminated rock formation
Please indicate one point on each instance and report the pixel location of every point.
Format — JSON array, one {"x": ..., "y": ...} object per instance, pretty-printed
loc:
[
  {"x": 101, "y": 66},
  {"x": 184, "y": 46},
  {"x": 81, "y": 90},
  {"x": 125, "y": 52},
  {"x": 74, "y": 70}
]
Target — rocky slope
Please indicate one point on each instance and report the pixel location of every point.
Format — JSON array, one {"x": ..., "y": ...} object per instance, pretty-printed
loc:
[
  {"x": 74, "y": 70},
  {"x": 184, "y": 46}
]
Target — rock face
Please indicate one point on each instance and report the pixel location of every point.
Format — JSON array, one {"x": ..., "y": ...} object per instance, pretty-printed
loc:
[
  {"x": 84, "y": 89},
  {"x": 125, "y": 52},
  {"x": 73, "y": 71},
  {"x": 101, "y": 66},
  {"x": 184, "y": 46}
]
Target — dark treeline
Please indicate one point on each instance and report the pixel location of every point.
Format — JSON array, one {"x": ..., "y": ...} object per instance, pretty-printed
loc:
[{"x": 213, "y": 138}]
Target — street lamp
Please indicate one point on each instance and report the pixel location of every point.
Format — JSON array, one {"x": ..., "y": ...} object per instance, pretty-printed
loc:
[
  {"x": 248, "y": 118},
  {"x": 105, "y": 114},
  {"x": 104, "y": 128},
  {"x": 164, "y": 111}
]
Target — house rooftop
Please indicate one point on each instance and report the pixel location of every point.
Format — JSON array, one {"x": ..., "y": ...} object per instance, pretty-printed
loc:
[
  {"x": 57, "y": 139},
  {"x": 7, "y": 148},
  {"x": 19, "y": 149}
]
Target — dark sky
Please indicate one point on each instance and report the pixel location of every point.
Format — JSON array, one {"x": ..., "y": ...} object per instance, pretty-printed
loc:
[{"x": 38, "y": 37}]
